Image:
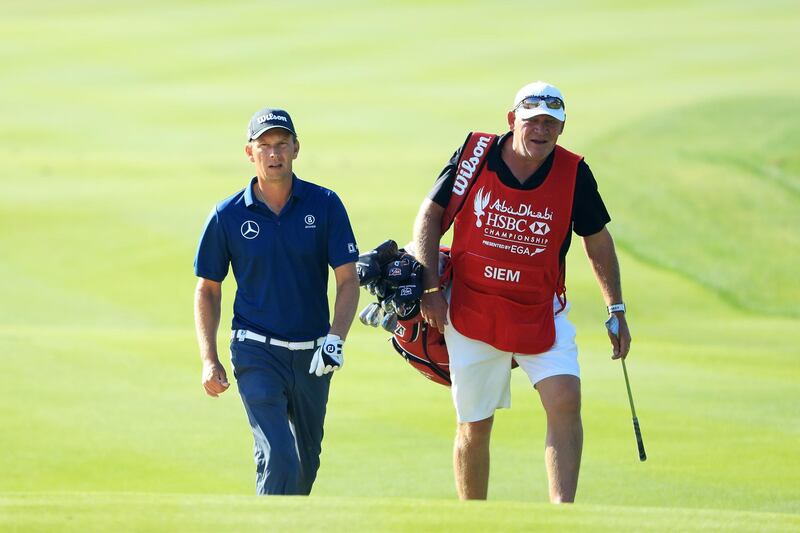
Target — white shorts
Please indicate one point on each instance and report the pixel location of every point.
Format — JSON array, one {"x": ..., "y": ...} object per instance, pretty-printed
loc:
[{"x": 481, "y": 374}]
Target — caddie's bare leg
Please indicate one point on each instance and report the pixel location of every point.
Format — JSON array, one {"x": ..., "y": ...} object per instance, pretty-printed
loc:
[
  {"x": 471, "y": 459},
  {"x": 561, "y": 398}
]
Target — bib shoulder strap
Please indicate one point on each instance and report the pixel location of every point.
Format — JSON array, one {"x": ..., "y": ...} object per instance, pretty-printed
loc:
[
  {"x": 570, "y": 158},
  {"x": 470, "y": 164}
]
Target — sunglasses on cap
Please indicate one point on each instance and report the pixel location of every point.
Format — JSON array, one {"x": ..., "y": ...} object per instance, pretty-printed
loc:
[{"x": 532, "y": 102}]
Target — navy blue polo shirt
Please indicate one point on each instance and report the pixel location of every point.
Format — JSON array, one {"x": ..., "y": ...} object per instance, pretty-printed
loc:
[{"x": 280, "y": 262}]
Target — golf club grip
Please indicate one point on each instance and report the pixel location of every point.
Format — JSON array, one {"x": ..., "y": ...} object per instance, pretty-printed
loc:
[{"x": 639, "y": 442}]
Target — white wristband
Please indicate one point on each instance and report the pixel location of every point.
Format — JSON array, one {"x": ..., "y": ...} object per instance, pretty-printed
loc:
[{"x": 616, "y": 308}]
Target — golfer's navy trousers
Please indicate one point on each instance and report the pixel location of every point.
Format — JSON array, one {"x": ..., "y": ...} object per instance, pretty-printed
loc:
[{"x": 286, "y": 407}]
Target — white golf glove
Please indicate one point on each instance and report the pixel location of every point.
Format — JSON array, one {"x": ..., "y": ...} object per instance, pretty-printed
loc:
[{"x": 328, "y": 357}]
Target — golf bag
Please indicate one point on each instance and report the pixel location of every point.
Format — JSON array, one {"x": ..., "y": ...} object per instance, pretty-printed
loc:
[
  {"x": 394, "y": 277},
  {"x": 424, "y": 349}
]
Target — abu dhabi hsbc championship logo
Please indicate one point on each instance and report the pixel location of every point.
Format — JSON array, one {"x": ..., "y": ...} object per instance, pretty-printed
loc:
[
  {"x": 479, "y": 205},
  {"x": 540, "y": 228},
  {"x": 250, "y": 230},
  {"x": 516, "y": 227}
]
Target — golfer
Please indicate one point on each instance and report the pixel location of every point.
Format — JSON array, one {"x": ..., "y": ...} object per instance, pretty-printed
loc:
[
  {"x": 514, "y": 200},
  {"x": 280, "y": 234}
]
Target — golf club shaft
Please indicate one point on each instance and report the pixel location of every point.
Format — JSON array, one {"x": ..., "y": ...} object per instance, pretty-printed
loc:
[{"x": 636, "y": 430}]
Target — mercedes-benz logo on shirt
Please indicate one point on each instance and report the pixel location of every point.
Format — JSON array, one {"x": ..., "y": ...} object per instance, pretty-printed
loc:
[{"x": 250, "y": 230}]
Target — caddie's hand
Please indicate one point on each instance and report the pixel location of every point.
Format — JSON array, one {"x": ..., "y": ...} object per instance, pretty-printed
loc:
[
  {"x": 215, "y": 381},
  {"x": 328, "y": 357},
  {"x": 619, "y": 335},
  {"x": 433, "y": 307}
]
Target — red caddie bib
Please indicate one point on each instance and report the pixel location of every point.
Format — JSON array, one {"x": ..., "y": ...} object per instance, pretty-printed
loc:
[{"x": 506, "y": 258}]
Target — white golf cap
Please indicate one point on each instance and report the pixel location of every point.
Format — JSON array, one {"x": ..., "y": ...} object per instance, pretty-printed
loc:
[{"x": 539, "y": 88}]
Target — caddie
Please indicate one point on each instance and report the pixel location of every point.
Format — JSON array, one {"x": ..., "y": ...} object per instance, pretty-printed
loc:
[
  {"x": 280, "y": 235},
  {"x": 514, "y": 201}
]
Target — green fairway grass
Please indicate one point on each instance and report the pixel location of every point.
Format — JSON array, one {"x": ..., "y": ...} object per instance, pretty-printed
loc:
[
  {"x": 176, "y": 512},
  {"x": 121, "y": 124},
  {"x": 722, "y": 206}
]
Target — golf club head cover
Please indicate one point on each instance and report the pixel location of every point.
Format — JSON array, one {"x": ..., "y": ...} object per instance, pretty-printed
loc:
[
  {"x": 382, "y": 289},
  {"x": 379, "y": 289},
  {"x": 397, "y": 271},
  {"x": 370, "y": 265},
  {"x": 410, "y": 291},
  {"x": 368, "y": 269},
  {"x": 385, "y": 252},
  {"x": 394, "y": 277},
  {"x": 407, "y": 311},
  {"x": 328, "y": 357}
]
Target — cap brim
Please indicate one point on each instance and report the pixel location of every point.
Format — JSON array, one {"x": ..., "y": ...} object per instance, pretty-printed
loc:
[
  {"x": 557, "y": 114},
  {"x": 257, "y": 134}
]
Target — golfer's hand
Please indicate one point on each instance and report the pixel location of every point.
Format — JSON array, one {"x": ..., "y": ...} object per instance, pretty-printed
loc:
[
  {"x": 215, "y": 381},
  {"x": 621, "y": 341},
  {"x": 434, "y": 309},
  {"x": 328, "y": 357}
]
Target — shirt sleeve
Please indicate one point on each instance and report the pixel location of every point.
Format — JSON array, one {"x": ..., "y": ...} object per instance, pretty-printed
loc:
[
  {"x": 213, "y": 257},
  {"x": 443, "y": 188},
  {"x": 342, "y": 246},
  {"x": 589, "y": 213}
]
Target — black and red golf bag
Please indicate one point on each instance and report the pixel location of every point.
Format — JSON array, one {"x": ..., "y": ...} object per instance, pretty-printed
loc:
[
  {"x": 394, "y": 277},
  {"x": 424, "y": 349}
]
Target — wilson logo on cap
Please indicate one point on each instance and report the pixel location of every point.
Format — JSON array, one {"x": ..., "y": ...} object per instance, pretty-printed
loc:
[{"x": 262, "y": 119}]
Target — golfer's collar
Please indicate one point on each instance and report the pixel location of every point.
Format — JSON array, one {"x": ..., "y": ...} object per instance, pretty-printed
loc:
[
  {"x": 249, "y": 200},
  {"x": 298, "y": 186},
  {"x": 298, "y": 189}
]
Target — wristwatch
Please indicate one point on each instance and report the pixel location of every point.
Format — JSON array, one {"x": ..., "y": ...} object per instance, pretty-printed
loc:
[{"x": 616, "y": 308}]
